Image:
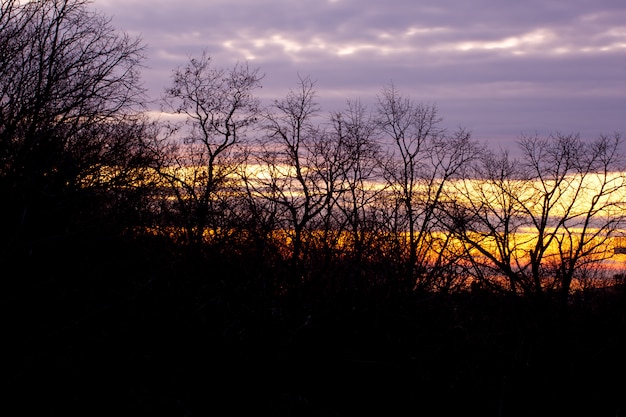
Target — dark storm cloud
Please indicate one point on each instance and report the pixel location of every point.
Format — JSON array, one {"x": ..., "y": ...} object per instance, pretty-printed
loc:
[{"x": 497, "y": 68}]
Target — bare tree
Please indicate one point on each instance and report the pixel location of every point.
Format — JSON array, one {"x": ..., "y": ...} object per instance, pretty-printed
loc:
[
  {"x": 545, "y": 218},
  {"x": 361, "y": 179},
  {"x": 577, "y": 190},
  {"x": 68, "y": 83},
  {"x": 293, "y": 156},
  {"x": 219, "y": 107},
  {"x": 425, "y": 159},
  {"x": 483, "y": 214}
]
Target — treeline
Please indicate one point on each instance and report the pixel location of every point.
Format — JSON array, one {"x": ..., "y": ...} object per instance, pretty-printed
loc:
[
  {"x": 367, "y": 259},
  {"x": 358, "y": 197}
]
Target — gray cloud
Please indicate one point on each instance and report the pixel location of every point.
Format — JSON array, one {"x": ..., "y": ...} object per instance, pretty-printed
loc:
[{"x": 498, "y": 68}]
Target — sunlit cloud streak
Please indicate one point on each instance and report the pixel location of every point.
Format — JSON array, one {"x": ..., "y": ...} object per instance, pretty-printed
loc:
[{"x": 499, "y": 69}]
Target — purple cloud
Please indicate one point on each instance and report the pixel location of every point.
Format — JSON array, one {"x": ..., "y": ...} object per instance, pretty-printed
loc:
[{"x": 498, "y": 69}]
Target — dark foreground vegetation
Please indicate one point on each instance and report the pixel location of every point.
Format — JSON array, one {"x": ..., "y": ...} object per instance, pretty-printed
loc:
[
  {"x": 134, "y": 327},
  {"x": 270, "y": 260}
]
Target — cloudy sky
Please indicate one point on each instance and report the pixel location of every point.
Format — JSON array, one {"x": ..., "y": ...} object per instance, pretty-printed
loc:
[{"x": 497, "y": 68}]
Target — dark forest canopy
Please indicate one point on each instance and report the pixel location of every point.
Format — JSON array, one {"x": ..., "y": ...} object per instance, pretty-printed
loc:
[{"x": 388, "y": 185}]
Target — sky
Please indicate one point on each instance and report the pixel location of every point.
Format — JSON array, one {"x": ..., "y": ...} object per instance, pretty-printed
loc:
[{"x": 499, "y": 69}]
